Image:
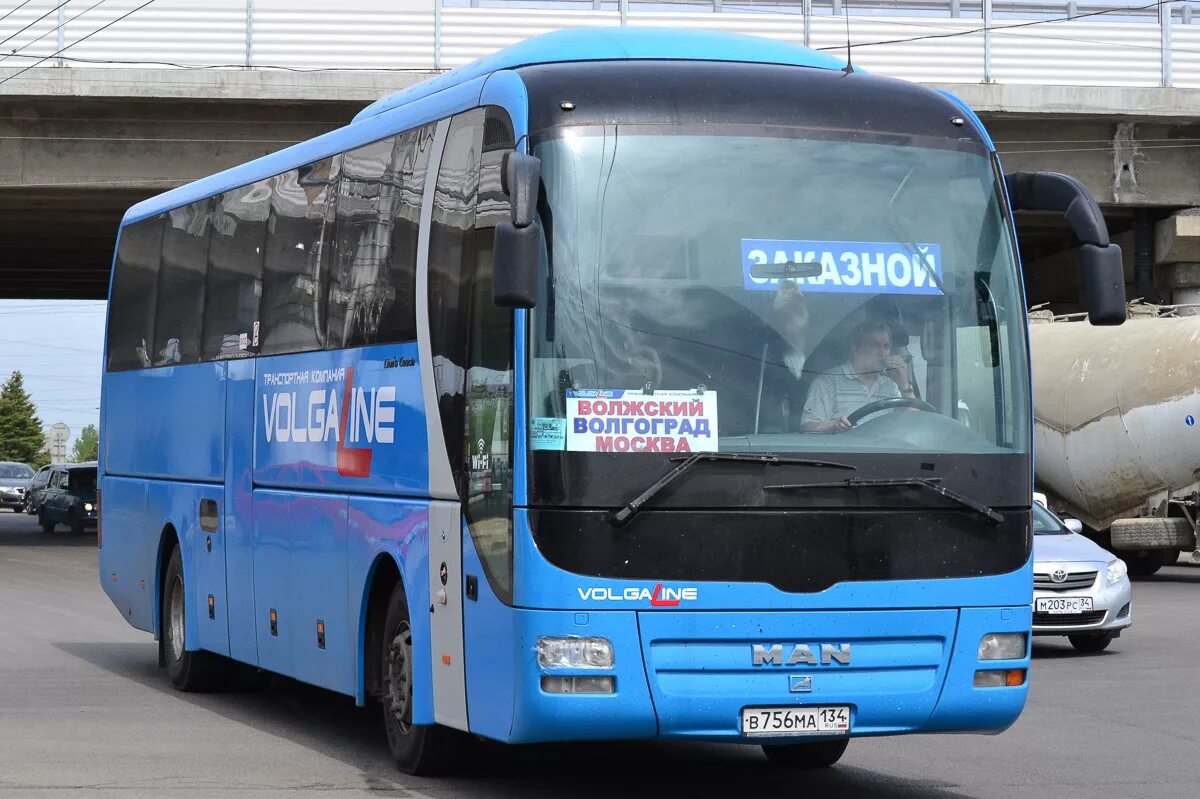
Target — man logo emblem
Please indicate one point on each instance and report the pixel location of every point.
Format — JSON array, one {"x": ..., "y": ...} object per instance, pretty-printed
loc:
[
  {"x": 799, "y": 685},
  {"x": 1058, "y": 576}
]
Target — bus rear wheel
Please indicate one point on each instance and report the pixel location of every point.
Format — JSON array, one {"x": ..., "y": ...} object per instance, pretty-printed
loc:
[
  {"x": 191, "y": 671},
  {"x": 814, "y": 755},
  {"x": 418, "y": 749}
]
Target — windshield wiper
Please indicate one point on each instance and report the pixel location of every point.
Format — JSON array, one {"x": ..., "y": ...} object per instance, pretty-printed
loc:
[
  {"x": 620, "y": 518},
  {"x": 927, "y": 483}
]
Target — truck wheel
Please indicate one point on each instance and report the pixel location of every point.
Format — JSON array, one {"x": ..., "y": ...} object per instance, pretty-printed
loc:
[
  {"x": 1091, "y": 642},
  {"x": 46, "y": 523},
  {"x": 418, "y": 749},
  {"x": 190, "y": 671},
  {"x": 818, "y": 754},
  {"x": 1145, "y": 562}
]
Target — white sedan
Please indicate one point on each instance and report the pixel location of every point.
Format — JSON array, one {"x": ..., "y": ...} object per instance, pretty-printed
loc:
[{"x": 1080, "y": 590}]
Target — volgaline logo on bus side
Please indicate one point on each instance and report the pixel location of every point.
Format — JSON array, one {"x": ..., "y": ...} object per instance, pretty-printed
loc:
[
  {"x": 658, "y": 597},
  {"x": 363, "y": 415}
]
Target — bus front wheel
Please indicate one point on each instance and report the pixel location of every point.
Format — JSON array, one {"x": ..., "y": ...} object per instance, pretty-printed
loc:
[
  {"x": 190, "y": 671},
  {"x": 419, "y": 749},
  {"x": 814, "y": 755}
]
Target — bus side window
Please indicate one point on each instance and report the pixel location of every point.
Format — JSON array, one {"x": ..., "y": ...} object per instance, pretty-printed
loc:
[
  {"x": 235, "y": 259},
  {"x": 450, "y": 252},
  {"x": 135, "y": 285},
  {"x": 180, "y": 305},
  {"x": 295, "y": 266},
  {"x": 373, "y": 276}
]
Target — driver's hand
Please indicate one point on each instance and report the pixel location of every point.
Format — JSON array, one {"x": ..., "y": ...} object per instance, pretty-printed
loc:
[
  {"x": 839, "y": 425},
  {"x": 897, "y": 369}
]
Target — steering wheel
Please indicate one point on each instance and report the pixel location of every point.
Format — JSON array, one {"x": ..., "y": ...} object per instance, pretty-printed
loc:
[{"x": 888, "y": 404}]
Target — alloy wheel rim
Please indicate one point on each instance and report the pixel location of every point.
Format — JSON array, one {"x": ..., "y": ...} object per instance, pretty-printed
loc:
[
  {"x": 176, "y": 610},
  {"x": 399, "y": 678}
]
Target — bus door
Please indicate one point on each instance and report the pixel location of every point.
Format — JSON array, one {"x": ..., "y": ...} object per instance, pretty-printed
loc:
[{"x": 471, "y": 344}]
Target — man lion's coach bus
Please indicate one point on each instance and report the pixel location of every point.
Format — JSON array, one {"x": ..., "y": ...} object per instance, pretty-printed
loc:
[{"x": 621, "y": 385}]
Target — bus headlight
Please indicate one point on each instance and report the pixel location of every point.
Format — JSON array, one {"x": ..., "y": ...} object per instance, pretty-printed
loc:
[
  {"x": 1115, "y": 572},
  {"x": 1002, "y": 646},
  {"x": 575, "y": 652}
]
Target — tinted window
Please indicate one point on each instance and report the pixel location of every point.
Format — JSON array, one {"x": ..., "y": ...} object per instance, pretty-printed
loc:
[
  {"x": 131, "y": 304},
  {"x": 83, "y": 480},
  {"x": 451, "y": 249},
  {"x": 472, "y": 339},
  {"x": 378, "y": 217},
  {"x": 489, "y": 378},
  {"x": 235, "y": 259},
  {"x": 180, "y": 305},
  {"x": 294, "y": 273}
]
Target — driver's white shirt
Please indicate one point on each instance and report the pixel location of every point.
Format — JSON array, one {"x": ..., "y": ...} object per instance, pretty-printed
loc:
[{"x": 839, "y": 392}]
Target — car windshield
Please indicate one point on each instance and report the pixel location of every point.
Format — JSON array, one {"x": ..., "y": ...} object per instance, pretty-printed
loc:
[
  {"x": 83, "y": 480},
  {"x": 720, "y": 288},
  {"x": 15, "y": 471},
  {"x": 1046, "y": 523}
]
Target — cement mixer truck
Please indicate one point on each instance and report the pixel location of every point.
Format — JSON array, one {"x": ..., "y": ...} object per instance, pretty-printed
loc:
[{"x": 1116, "y": 431}]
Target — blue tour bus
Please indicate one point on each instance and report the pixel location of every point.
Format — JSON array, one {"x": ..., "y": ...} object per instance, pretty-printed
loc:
[{"x": 621, "y": 385}]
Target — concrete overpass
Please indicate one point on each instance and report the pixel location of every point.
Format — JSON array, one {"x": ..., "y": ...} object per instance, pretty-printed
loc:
[{"x": 80, "y": 143}]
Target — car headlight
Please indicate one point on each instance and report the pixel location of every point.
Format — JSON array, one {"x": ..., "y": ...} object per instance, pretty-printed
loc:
[
  {"x": 89, "y": 507},
  {"x": 1115, "y": 572},
  {"x": 1002, "y": 646}
]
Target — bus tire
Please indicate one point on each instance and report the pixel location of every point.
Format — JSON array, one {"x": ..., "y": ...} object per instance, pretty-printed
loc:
[
  {"x": 193, "y": 671},
  {"x": 45, "y": 521},
  {"x": 814, "y": 755},
  {"x": 418, "y": 749}
]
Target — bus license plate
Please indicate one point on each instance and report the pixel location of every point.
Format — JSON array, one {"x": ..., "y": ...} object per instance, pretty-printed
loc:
[
  {"x": 1064, "y": 604},
  {"x": 796, "y": 720}
]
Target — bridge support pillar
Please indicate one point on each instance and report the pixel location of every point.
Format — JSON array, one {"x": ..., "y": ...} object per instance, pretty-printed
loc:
[{"x": 1177, "y": 260}]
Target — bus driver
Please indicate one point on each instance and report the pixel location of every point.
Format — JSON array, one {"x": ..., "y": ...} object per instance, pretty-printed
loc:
[{"x": 871, "y": 374}]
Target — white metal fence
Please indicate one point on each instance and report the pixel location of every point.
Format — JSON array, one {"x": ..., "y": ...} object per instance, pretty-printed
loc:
[{"x": 1016, "y": 41}]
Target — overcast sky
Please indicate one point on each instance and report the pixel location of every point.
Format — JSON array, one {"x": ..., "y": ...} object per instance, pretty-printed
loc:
[{"x": 57, "y": 346}]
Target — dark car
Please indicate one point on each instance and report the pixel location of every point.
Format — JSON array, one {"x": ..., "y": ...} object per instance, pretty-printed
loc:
[
  {"x": 36, "y": 487},
  {"x": 69, "y": 498},
  {"x": 13, "y": 477}
]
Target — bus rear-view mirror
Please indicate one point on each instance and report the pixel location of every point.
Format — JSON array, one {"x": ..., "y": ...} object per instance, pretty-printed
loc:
[
  {"x": 1103, "y": 273},
  {"x": 521, "y": 176},
  {"x": 515, "y": 258}
]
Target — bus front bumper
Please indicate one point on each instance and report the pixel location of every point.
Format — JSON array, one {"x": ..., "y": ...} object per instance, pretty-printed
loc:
[{"x": 690, "y": 675}]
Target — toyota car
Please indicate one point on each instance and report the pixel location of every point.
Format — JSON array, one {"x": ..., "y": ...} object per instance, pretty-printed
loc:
[{"x": 1080, "y": 590}]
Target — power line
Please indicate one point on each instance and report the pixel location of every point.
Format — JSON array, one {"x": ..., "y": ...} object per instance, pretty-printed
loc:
[
  {"x": 49, "y": 346},
  {"x": 15, "y": 10},
  {"x": 36, "y": 21},
  {"x": 57, "y": 27},
  {"x": 81, "y": 39}
]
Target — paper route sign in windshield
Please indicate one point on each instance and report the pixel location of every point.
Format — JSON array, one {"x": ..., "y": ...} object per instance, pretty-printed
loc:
[
  {"x": 615, "y": 420},
  {"x": 864, "y": 267}
]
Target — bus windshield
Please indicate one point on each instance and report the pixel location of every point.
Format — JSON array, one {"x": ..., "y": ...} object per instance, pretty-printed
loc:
[{"x": 728, "y": 288}]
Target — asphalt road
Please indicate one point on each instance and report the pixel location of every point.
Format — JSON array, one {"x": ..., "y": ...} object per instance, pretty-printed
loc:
[{"x": 84, "y": 711}]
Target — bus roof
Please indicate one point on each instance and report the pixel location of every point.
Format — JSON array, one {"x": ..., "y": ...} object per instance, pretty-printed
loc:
[
  {"x": 615, "y": 44},
  {"x": 588, "y": 44}
]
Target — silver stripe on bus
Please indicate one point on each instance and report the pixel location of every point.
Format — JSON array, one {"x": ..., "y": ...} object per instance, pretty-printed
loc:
[{"x": 441, "y": 479}]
